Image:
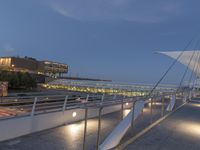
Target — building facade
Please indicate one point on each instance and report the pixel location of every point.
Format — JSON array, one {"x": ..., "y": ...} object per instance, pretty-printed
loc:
[{"x": 32, "y": 65}]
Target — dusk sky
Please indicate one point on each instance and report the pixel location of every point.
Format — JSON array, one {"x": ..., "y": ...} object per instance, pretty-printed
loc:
[{"x": 108, "y": 39}]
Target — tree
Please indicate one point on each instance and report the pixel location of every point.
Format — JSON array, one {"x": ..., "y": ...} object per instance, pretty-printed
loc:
[{"x": 18, "y": 79}]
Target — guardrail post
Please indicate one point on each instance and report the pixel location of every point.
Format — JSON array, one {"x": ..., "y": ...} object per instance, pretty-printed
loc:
[
  {"x": 65, "y": 103},
  {"x": 132, "y": 119},
  {"x": 34, "y": 105},
  {"x": 122, "y": 109},
  {"x": 190, "y": 96},
  {"x": 85, "y": 129},
  {"x": 102, "y": 98},
  {"x": 151, "y": 110},
  {"x": 87, "y": 98},
  {"x": 99, "y": 128},
  {"x": 162, "y": 112}
]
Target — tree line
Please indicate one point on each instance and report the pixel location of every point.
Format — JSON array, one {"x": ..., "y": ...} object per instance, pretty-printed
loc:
[{"x": 18, "y": 80}]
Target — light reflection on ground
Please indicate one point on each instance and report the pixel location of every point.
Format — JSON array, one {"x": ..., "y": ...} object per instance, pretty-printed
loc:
[
  {"x": 190, "y": 128},
  {"x": 76, "y": 130},
  {"x": 196, "y": 104}
]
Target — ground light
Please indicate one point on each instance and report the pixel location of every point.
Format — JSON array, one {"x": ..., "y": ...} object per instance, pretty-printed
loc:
[{"x": 74, "y": 114}]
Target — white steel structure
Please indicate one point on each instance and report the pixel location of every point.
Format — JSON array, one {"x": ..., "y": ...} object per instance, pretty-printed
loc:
[{"x": 188, "y": 58}]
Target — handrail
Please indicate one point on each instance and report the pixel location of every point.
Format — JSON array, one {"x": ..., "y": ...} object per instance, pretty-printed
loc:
[{"x": 57, "y": 101}]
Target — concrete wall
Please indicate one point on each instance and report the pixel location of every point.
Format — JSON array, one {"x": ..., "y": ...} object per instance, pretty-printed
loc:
[{"x": 15, "y": 127}]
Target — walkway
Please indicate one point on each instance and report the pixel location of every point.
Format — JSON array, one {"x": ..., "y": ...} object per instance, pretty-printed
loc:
[
  {"x": 70, "y": 137},
  {"x": 180, "y": 131}
]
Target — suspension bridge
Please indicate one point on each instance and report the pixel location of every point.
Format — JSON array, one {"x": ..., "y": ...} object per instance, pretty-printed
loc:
[{"x": 161, "y": 119}]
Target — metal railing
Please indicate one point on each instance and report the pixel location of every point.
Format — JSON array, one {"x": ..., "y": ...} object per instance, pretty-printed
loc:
[
  {"x": 163, "y": 99},
  {"x": 34, "y": 105}
]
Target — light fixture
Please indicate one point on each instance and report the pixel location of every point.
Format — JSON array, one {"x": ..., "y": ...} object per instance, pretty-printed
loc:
[
  {"x": 74, "y": 114},
  {"x": 126, "y": 104}
]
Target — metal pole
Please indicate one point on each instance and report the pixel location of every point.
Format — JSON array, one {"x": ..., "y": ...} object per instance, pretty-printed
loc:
[
  {"x": 65, "y": 103},
  {"x": 132, "y": 119},
  {"x": 87, "y": 98},
  {"x": 64, "y": 108},
  {"x": 34, "y": 105},
  {"x": 85, "y": 129},
  {"x": 122, "y": 109},
  {"x": 143, "y": 110},
  {"x": 151, "y": 110},
  {"x": 162, "y": 113},
  {"x": 102, "y": 98},
  {"x": 190, "y": 95},
  {"x": 99, "y": 128}
]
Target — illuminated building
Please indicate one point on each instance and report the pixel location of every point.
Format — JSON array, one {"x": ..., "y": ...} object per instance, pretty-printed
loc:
[{"x": 32, "y": 65}]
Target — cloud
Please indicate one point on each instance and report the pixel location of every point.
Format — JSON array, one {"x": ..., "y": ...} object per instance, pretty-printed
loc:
[
  {"x": 61, "y": 10},
  {"x": 130, "y": 10}
]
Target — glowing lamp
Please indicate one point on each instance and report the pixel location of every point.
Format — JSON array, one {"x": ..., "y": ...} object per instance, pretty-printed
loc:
[{"x": 74, "y": 114}]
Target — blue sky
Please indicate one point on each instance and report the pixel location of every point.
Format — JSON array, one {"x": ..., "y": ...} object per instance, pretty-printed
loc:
[{"x": 109, "y": 39}]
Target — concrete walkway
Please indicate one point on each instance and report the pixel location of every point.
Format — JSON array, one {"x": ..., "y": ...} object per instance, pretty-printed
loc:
[
  {"x": 70, "y": 137},
  {"x": 180, "y": 131}
]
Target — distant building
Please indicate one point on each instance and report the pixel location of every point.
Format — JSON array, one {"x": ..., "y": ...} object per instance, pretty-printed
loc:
[{"x": 34, "y": 66}]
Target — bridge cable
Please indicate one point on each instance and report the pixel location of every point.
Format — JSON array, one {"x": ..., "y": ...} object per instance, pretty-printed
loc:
[
  {"x": 195, "y": 66},
  {"x": 185, "y": 72},
  {"x": 170, "y": 67},
  {"x": 194, "y": 69},
  {"x": 197, "y": 70}
]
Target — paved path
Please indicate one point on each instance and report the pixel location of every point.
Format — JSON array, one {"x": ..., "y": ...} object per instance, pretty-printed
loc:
[
  {"x": 70, "y": 137},
  {"x": 180, "y": 131}
]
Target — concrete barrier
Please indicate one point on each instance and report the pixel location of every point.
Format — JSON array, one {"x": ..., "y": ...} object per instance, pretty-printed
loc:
[{"x": 19, "y": 126}]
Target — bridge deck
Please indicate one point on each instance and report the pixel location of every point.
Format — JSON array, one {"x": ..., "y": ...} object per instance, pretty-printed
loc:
[
  {"x": 180, "y": 131},
  {"x": 70, "y": 137}
]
